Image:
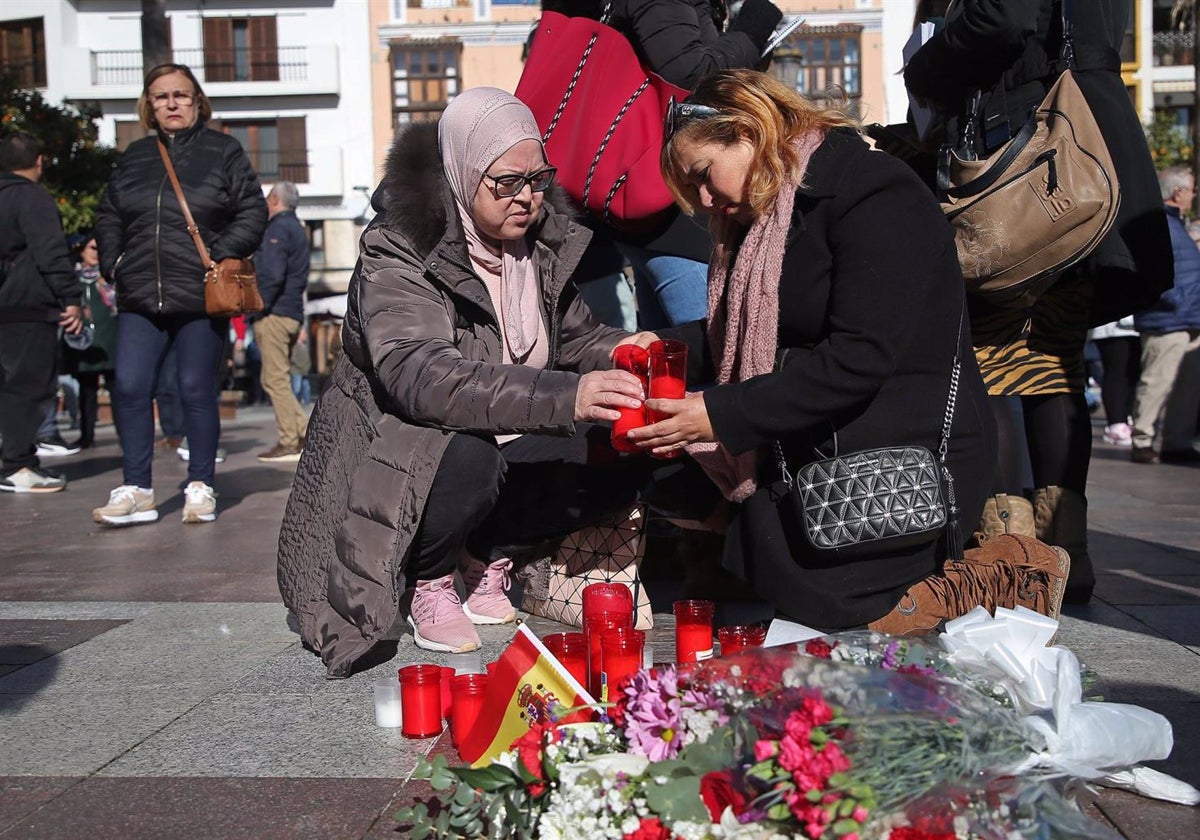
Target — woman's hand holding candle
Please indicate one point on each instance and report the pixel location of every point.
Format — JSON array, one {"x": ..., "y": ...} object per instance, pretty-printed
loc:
[
  {"x": 602, "y": 392},
  {"x": 685, "y": 421}
]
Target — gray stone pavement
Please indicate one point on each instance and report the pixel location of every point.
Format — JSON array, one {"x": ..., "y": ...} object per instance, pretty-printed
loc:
[{"x": 150, "y": 685}]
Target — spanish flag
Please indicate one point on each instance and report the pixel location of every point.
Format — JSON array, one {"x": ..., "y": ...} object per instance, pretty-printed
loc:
[{"x": 527, "y": 685}]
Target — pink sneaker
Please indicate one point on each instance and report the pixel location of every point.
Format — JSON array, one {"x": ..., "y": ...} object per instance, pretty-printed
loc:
[
  {"x": 437, "y": 618},
  {"x": 1118, "y": 434},
  {"x": 486, "y": 585}
]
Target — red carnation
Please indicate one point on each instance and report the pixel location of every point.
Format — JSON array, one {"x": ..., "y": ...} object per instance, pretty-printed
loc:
[
  {"x": 909, "y": 833},
  {"x": 718, "y": 793},
  {"x": 650, "y": 829},
  {"x": 529, "y": 751},
  {"x": 818, "y": 648}
]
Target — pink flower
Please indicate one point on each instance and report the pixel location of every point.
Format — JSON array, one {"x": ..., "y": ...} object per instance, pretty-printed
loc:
[
  {"x": 764, "y": 749},
  {"x": 860, "y": 814},
  {"x": 653, "y": 714}
]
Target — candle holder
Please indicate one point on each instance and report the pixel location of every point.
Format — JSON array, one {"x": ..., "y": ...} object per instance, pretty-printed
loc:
[
  {"x": 668, "y": 378},
  {"x": 737, "y": 637},
  {"x": 387, "y": 702},
  {"x": 444, "y": 692},
  {"x": 693, "y": 630},
  {"x": 592, "y": 628},
  {"x": 635, "y": 360},
  {"x": 468, "y": 692},
  {"x": 621, "y": 655},
  {"x": 607, "y": 598},
  {"x": 571, "y": 649},
  {"x": 421, "y": 699}
]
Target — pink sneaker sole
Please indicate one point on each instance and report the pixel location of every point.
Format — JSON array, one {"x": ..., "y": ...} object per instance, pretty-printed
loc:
[
  {"x": 440, "y": 647},
  {"x": 479, "y": 618}
]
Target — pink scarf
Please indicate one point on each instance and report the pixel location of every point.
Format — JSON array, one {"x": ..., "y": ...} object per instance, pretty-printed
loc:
[
  {"x": 743, "y": 318},
  {"x": 476, "y": 128}
]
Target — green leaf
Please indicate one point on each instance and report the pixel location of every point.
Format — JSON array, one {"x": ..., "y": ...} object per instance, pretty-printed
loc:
[
  {"x": 463, "y": 796},
  {"x": 779, "y": 812},
  {"x": 714, "y": 754},
  {"x": 678, "y": 799},
  {"x": 488, "y": 779},
  {"x": 845, "y": 827}
]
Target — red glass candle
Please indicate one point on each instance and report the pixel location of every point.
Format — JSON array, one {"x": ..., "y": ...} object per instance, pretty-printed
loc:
[
  {"x": 592, "y": 628},
  {"x": 491, "y": 667},
  {"x": 571, "y": 650},
  {"x": 693, "y": 629},
  {"x": 421, "y": 700},
  {"x": 668, "y": 372},
  {"x": 736, "y": 638},
  {"x": 447, "y": 674},
  {"x": 621, "y": 655},
  {"x": 468, "y": 691},
  {"x": 635, "y": 360},
  {"x": 612, "y": 598}
]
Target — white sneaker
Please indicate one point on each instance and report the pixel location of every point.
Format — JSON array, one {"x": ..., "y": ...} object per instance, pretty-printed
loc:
[
  {"x": 199, "y": 503},
  {"x": 184, "y": 453},
  {"x": 1118, "y": 434},
  {"x": 32, "y": 480},
  {"x": 127, "y": 505}
]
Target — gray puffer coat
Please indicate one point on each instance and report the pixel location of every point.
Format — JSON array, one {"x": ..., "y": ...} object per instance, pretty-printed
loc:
[{"x": 422, "y": 361}]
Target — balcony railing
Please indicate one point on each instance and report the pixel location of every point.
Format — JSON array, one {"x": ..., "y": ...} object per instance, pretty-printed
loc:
[
  {"x": 287, "y": 64},
  {"x": 280, "y": 164},
  {"x": 1173, "y": 48}
]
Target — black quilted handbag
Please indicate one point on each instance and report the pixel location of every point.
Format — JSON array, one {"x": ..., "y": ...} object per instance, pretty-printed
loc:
[{"x": 878, "y": 500}]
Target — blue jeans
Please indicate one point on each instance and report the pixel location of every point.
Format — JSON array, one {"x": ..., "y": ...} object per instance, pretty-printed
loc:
[
  {"x": 142, "y": 344},
  {"x": 670, "y": 290},
  {"x": 166, "y": 396},
  {"x": 611, "y": 301}
]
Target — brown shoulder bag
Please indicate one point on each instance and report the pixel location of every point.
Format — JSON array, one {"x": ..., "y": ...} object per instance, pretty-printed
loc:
[{"x": 230, "y": 286}]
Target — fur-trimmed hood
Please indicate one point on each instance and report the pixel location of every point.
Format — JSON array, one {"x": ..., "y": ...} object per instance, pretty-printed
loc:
[{"x": 414, "y": 196}]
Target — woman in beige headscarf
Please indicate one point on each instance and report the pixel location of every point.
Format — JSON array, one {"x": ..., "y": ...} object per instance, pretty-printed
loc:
[{"x": 448, "y": 436}]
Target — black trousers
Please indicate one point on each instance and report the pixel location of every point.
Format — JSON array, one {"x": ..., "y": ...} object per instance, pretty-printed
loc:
[
  {"x": 512, "y": 500},
  {"x": 28, "y": 378}
]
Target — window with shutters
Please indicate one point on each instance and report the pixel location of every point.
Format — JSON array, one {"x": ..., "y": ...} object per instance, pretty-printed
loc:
[
  {"x": 277, "y": 148},
  {"x": 823, "y": 63},
  {"x": 241, "y": 50},
  {"x": 23, "y": 52},
  {"x": 424, "y": 78}
]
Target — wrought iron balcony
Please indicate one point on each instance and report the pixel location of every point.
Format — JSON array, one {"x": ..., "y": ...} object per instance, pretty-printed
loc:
[{"x": 282, "y": 64}]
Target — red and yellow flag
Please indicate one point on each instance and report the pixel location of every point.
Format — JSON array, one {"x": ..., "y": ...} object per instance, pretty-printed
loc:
[{"x": 527, "y": 683}]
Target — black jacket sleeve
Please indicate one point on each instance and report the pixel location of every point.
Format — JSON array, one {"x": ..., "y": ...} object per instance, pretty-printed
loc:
[
  {"x": 42, "y": 228},
  {"x": 242, "y": 236},
  {"x": 680, "y": 42}
]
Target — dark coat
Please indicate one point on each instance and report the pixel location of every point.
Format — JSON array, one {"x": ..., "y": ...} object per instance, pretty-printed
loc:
[
  {"x": 36, "y": 280},
  {"x": 282, "y": 266},
  {"x": 422, "y": 360},
  {"x": 102, "y": 355},
  {"x": 870, "y": 301},
  {"x": 1010, "y": 51},
  {"x": 678, "y": 39},
  {"x": 1179, "y": 307},
  {"x": 145, "y": 248}
]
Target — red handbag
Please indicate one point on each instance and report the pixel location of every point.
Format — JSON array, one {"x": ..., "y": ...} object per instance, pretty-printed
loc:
[{"x": 601, "y": 115}]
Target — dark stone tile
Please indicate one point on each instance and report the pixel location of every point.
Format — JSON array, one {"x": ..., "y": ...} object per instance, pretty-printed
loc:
[
  {"x": 203, "y": 808},
  {"x": 20, "y": 796},
  {"x": 1139, "y": 818},
  {"x": 25, "y": 641},
  {"x": 1130, "y": 587},
  {"x": 387, "y": 827}
]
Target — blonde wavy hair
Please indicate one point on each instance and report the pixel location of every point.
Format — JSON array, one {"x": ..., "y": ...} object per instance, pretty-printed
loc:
[{"x": 760, "y": 110}]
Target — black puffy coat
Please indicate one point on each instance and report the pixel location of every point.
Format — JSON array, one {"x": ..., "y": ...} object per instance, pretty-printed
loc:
[
  {"x": 145, "y": 248},
  {"x": 1009, "y": 49},
  {"x": 36, "y": 281}
]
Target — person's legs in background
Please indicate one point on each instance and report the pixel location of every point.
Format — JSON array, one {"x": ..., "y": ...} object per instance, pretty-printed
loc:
[
  {"x": 611, "y": 301},
  {"x": 275, "y": 335},
  {"x": 1161, "y": 357},
  {"x": 1183, "y": 406},
  {"x": 28, "y": 371},
  {"x": 670, "y": 290},
  {"x": 89, "y": 398},
  {"x": 166, "y": 397},
  {"x": 1121, "y": 357}
]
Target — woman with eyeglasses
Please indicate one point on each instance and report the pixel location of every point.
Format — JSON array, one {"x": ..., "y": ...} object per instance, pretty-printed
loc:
[
  {"x": 835, "y": 316},
  {"x": 456, "y": 430},
  {"x": 148, "y": 253}
]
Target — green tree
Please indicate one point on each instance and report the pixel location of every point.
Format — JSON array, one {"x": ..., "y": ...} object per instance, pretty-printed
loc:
[
  {"x": 77, "y": 166},
  {"x": 1170, "y": 143}
]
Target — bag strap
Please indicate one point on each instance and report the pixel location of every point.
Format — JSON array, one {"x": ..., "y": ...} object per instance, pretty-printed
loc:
[{"x": 183, "y": 205}]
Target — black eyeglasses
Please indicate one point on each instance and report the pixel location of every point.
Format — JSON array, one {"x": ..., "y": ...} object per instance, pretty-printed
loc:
[
  {"x": 681, "y": 113},
  {"x": 506, "y": 186}
]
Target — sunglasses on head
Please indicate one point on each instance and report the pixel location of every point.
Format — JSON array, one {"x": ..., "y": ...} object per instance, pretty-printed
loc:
[{"x": 680, "y": 114}]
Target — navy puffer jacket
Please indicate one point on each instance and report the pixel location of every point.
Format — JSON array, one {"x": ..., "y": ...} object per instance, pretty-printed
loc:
[
  {"x": 1178, "y": 308},
  {"x": 145, "y": 248}
]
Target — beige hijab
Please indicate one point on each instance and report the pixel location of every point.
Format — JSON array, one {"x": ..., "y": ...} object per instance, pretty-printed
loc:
[{"x": 479, "y": 126}]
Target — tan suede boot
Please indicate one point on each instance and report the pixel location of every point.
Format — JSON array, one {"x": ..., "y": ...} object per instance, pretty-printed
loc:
[
  {"x": 1008, "y": 571},
  {"x": 1005, "y": 514},
  {"x": 1060, "y": 516}
]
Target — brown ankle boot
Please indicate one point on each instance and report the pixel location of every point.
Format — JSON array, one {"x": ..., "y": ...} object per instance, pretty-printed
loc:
[
  {"x": 1005, "y": 514},
  {"x": 1008, "y": 571},
  {"x": 1060, "y": 515}
]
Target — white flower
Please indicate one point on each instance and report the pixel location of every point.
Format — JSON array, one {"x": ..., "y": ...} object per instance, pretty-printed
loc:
[{"x": 603, "y": 766}]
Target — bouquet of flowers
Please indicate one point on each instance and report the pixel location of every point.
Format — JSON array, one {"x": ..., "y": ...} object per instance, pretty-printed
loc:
[{"x": 769, "y": 744}]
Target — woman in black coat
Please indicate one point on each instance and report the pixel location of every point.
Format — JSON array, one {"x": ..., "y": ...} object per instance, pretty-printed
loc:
[
  {"x": 1010, "y": 51},
  {"x": 835, "y": 317},
  {"x": 148, "y": 253}
]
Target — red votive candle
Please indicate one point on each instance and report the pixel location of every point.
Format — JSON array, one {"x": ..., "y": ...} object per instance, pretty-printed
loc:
[
  {"x": 468, "y": 691},
  {"x": 593, "y": 628},
  {"x": 612, "y": 598},
  {"x": 445, "y": 694},
  {"x": 421, "y": 700},
  {"x": 668, "y": 372},
  {"x": 621, "y": 655},
  {"x": 571, "y": 649},
  {"x": 693, "y": 629},
  {"x": 635, "y": 360},
  {"x": 491, "y": 667},
  {"x": 736, "y": 638}
]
